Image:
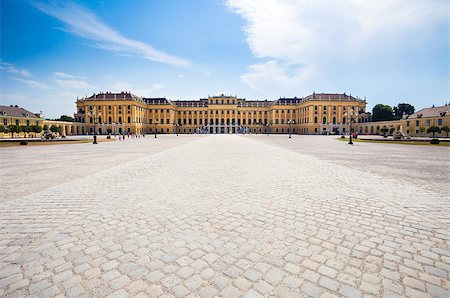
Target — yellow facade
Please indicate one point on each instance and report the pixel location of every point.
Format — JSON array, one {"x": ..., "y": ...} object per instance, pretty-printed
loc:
[
  {"x": 17, "y": 116},
  {"x": 119, "y": 113},
  {"x": 414, "y": 125}
]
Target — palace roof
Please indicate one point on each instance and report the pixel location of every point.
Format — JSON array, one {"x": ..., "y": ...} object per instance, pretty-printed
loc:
[
  {"x": 331, "y": 96},
  {"x": 114, "y": 96},
  {"x": 16, "y": 111},
  {"x": 431, "y": 112}
]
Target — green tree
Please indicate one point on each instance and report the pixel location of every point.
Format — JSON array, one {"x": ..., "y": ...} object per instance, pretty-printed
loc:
[
  {"x": 36, "y": 129},
  {"x": 403, "y": 108},
  {"x": 66, "y": 118},
  {"x": 446, "y": 129},
  {"x": 384, "y": 130},
  {"x": 14, "y": 129},
  {"x": 382, "y": 112},
  {"x": 433, "y": 130},
  {"x": 3, "y": 128},
  {"x": 422, "y": 130},
  {"x": 54, "y": 128}
]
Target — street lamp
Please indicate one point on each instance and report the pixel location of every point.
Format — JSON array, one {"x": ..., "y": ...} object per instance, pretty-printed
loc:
[
  {"x": 94, "y": 115},
  {"x": 290, "y": 122},
  {"x": 350, "y": 115},
  {"x": 176, "y": 128},
  {"x": 268, "y": 128},
  {"x": 156, "y": 122}
]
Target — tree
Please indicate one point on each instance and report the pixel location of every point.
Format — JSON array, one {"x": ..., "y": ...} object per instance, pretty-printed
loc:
[
  {"x": 446, "y": 129},
  {"x": 403, "y": 108},
  {"x": 3, "y": 128},
  {"x": 433, "y": 130},
  {"x": 391, "y": 131},
  {"x": 384, "y": 130},
  {"x": 382, "y": 112},
  {"x": 36, "y": 129},
  {"x": 54, "y": 128},
  {"x": 14, "y": 129},
  {"x": 66, "y": 118},
  {"x": 45, "y": 128},
  {"x": 422, "y": 130}
]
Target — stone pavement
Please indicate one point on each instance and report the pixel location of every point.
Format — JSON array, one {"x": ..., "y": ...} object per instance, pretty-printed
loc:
[{"x": 229, "y": 216}]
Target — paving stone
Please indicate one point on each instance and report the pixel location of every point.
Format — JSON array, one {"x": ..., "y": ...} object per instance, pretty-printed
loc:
[{"x": 295, "y": 223}]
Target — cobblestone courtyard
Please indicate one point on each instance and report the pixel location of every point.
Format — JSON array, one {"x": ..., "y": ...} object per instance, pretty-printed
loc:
[{"x": 225, "y": 215}]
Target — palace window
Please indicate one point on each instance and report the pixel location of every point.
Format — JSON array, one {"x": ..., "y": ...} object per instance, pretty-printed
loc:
[
  {"x": 439, "y": 122},
  {"x": 167, "y": 121},
  {"x": 417, "y": 122},
  {"x": 129, "y": 119},
  {"x": 324, "y": 120},
  {"x": 334, "y": 120},
  {"x": 315, "y": 119},
  {"x": 200, "y": 121},
  {"x": 184, "y": 121}
]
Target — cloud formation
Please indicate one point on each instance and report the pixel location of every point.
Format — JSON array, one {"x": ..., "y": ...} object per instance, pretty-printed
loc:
[
  {"x": 10, "y": 68},
  {"x": 32, "y": 83},
  {"x": 303, "y": 40},
  {"x": 84, "y": 23},
  {"x": 71, "y": 82}
]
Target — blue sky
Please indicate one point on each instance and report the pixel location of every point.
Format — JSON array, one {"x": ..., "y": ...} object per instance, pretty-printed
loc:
[{"x": 388, "y": 51}]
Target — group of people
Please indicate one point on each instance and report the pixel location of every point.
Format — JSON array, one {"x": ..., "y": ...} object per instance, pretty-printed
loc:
[{"x": 129, "y": 135}]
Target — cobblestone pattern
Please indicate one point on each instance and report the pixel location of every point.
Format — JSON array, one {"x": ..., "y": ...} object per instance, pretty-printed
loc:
[{"x": 225, "y": 216}]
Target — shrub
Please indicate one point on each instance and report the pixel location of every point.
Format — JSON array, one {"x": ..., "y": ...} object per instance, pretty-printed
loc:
[
  {"x": 434, "y": 141},
  {"x": 23, "y": 142},
  {"x": 433, "y": 130}
]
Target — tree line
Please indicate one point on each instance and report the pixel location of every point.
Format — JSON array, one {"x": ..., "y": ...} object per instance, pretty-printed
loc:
[
  {"x": 382, "y": 112},
  {"x": 27, "y": 129}
]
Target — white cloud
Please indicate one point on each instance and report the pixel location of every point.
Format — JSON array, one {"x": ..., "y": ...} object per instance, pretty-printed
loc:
[
  {"x": 303, "y": 39},
  {"x": 70, "y": 82},
  {"x": 32, "y": 83},
  {"x": 67, "y": 76},
  {"x": 158, "y": 86},
  {"x": 180, "y": 75},
  {"x": 10, "y": 68},
  {"x": 82, "y": 22},
  {"x": 273, "y": 73},
  {"x": 73, "y": 84}
]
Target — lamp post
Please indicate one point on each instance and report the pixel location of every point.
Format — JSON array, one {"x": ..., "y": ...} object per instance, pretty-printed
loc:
[
  {"x": 176, "y": 128},
  {"x": 94, "y": 115},
  {"x": 156, "y": 123},
  {"x": 268, "y": 128},
  {"x": 350, "y": 117},
  {"x": 290, "y": 122}
]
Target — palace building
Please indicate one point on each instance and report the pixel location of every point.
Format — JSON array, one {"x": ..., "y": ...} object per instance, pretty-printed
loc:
[{"x": 124, "y": 112}]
